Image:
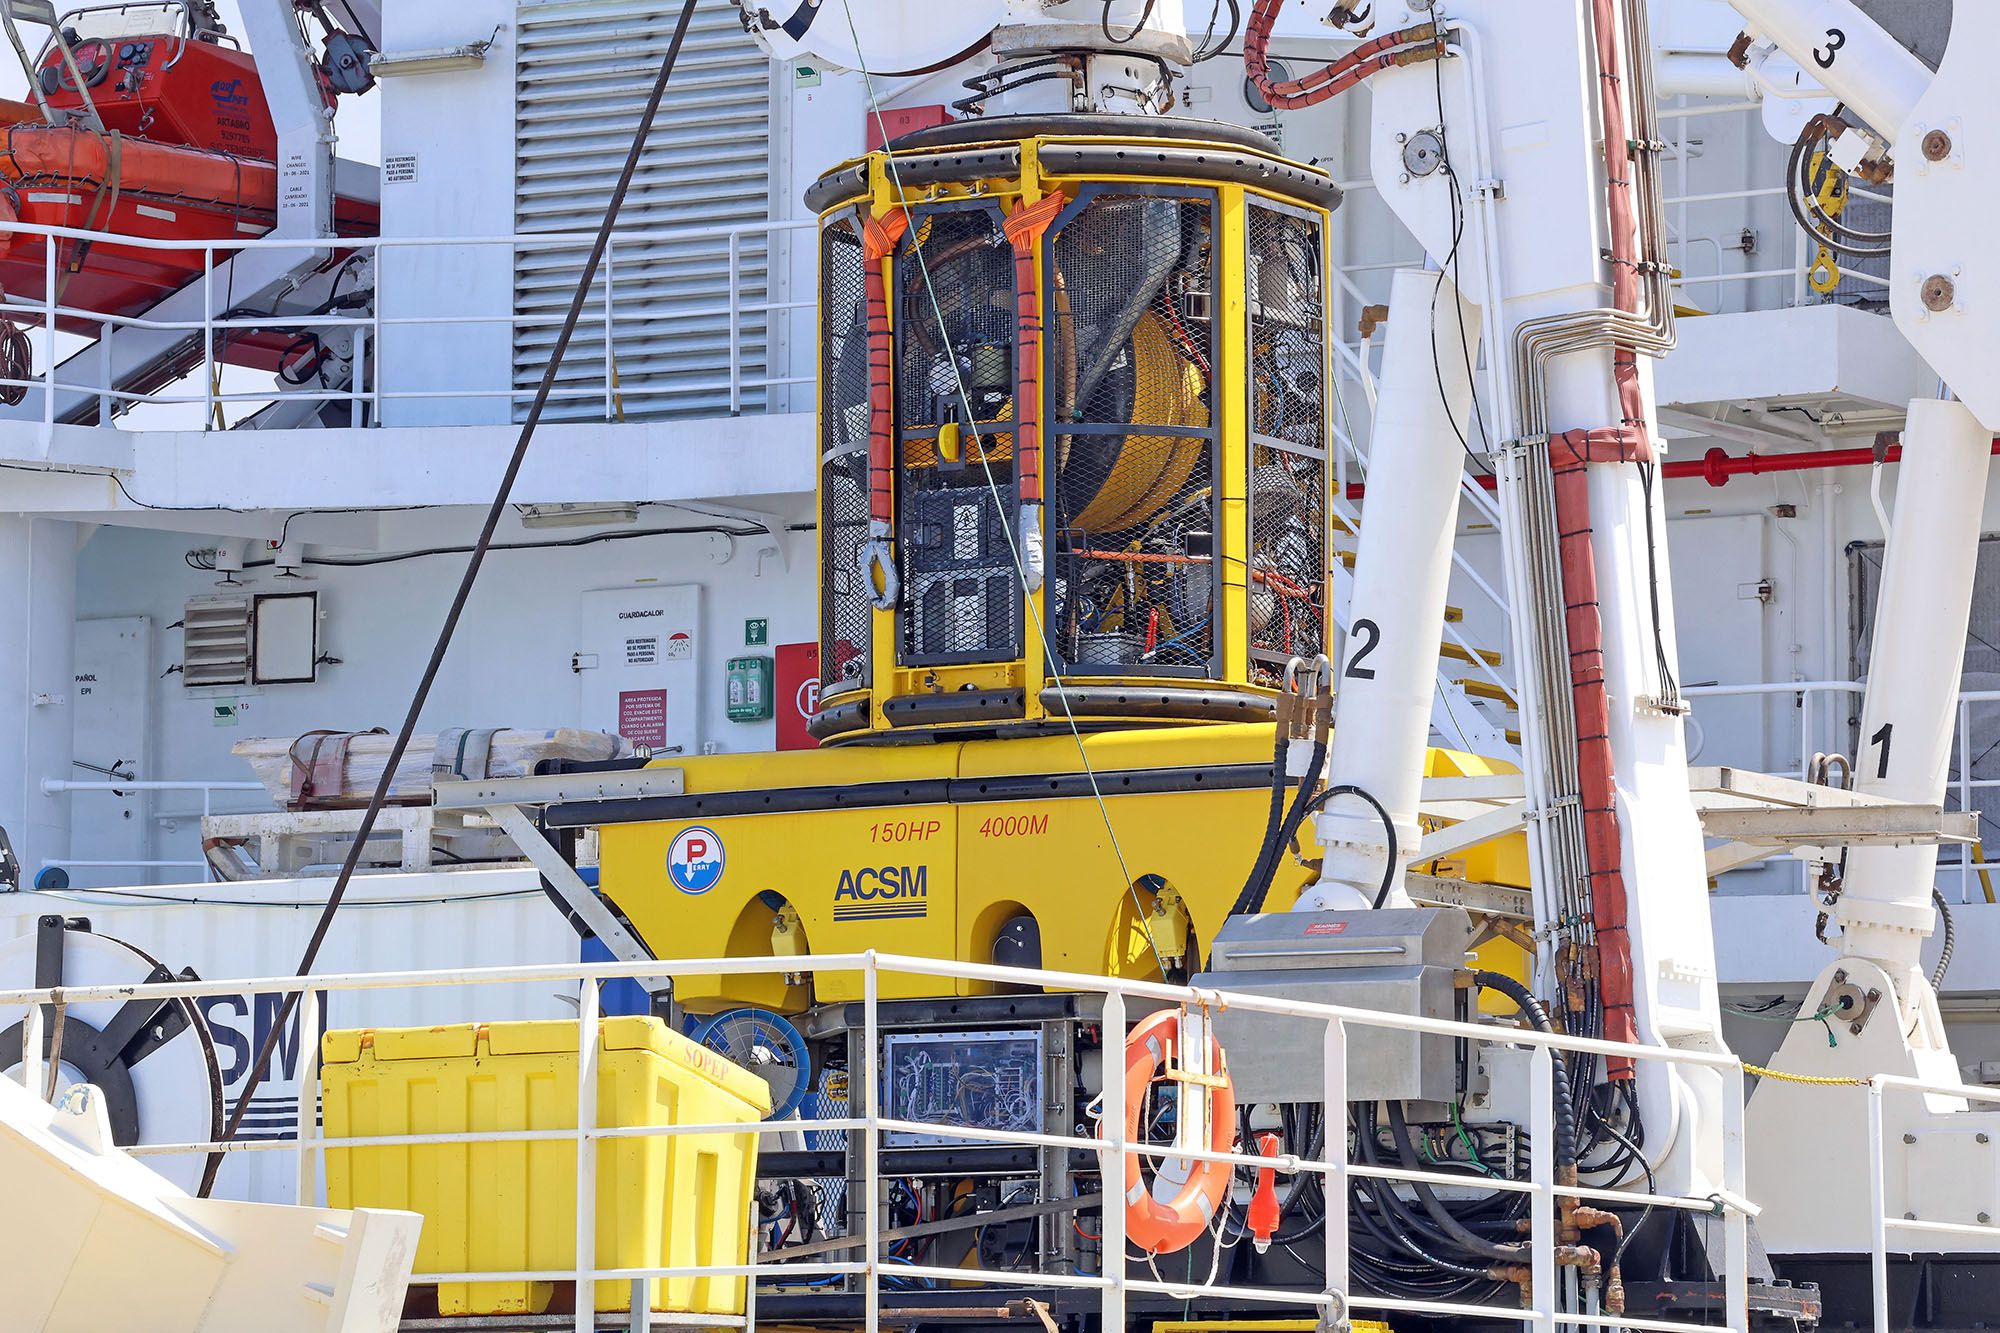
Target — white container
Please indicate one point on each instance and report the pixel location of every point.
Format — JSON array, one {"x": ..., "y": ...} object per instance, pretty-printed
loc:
[{"x": 389, "y": 923}]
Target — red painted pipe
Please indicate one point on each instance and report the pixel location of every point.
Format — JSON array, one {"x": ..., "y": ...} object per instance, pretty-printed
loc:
[{"x": 1718, "y": 465}]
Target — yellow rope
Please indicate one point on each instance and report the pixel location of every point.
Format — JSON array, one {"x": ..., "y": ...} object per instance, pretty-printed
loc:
[{"x": 1762, "y": 1072}]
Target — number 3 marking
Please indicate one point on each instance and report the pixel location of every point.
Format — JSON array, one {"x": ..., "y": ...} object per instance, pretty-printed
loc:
[{"x": 1824, "y": 56}]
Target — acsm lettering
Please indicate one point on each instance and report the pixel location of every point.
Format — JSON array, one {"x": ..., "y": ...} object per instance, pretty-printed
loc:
[{"x": 871, "y": 883}]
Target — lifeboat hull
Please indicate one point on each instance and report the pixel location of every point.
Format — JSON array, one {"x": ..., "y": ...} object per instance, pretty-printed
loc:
[{"x": 69, "y": 177}]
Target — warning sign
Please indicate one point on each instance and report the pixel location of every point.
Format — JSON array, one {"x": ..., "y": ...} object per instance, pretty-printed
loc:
[
  {"x": 642, "y": 717},
  {"x": 797, "y": 691}
]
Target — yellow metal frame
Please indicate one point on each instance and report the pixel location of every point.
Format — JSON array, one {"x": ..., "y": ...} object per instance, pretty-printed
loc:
[{"x": 888, "y": 678}]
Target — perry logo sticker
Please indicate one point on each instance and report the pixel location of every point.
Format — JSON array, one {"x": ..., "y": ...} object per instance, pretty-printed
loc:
[{"x": 695, "y": 860}]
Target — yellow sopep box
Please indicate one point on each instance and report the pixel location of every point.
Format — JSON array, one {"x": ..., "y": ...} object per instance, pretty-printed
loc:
[{"x": 662, "y": 1200}]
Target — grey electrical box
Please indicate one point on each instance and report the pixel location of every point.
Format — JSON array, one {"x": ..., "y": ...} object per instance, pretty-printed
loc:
[
  {"x": 967, "y": 1080},
  {"x": 1397, "y": 961}
]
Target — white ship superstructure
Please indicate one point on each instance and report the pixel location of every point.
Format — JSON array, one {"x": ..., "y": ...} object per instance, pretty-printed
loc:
[{"x": 200, "y": 550}]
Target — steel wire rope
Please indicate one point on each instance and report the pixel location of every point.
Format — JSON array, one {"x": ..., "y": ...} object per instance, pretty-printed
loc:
[
  {"x": 999, "y": 507},
  {"x": 380, "y": 796}
]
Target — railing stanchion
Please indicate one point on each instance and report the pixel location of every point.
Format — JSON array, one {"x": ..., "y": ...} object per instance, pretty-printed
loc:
[
  {"x": 610, "y": 350},
  {"x": 104, "y": 374},
  {"x": 586, "y": 1156},
  {"x": 871, "y": 1161},
  {"x": 1735, "y": 1173},
  {"x": 1878, "y": 1204},
  {"x": 357, "y": 377},
  {"x": 1541, "y": 1170},
  {"x": 735, "y": 328},
  {"x": 32, "y": 1049},
  {"x": 49, "y": 332},
  {"x": 1964, "y": 794},
  {"x": 1337, "y": 1279},
  {"x": 1111, "y": 1166},
  {"x": 209, "y": 373},
  {"x": 308, "y": 1107}
]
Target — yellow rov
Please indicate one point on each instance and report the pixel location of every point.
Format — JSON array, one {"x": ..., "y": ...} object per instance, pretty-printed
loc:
[{"x": 1074, "y": 521}]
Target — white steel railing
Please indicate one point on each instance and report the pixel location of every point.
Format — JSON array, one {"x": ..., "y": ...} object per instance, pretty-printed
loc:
[
  {"x": 1985, "y": 1235},
  {"x": 58, "y": 786},
  {"x": 1825, "y": 728},
  {"x": 1543, "y": 1311},
  {"x": 623, "y": 299}
]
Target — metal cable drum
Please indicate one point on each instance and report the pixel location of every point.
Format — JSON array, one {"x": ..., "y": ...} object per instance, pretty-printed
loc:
[{"x": 1133, "y": 513}]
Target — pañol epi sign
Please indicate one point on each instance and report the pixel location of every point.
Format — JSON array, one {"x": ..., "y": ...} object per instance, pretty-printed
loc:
[{"x": 882, "y": 893}]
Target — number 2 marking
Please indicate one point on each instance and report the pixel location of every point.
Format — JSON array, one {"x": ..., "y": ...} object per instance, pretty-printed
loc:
[
  {"x": 1372, "y": 632},
  {"x": 1882, "y": 738},
  {"x": 1824, "y": 56}
]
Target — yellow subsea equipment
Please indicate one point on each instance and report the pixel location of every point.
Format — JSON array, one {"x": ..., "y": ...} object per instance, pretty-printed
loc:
[
  {"x": 663, "y": 1201},
  {"x": 1074, "y": 421},
  {"x": 1076, "y": 407}
]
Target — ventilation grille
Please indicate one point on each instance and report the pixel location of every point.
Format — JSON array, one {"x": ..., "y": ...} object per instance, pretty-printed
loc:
[
  {"x": 1287, "y": 485},
  {"x": 843, "y": 490},
  {"x": 215, "y": 638}
]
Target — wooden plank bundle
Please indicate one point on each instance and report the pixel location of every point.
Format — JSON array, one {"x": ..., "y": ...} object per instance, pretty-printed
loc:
[{"x": 339, "y": 770}]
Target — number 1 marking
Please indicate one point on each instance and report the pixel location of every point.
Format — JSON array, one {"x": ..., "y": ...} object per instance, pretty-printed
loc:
[{"x": 1882, "y": 738}]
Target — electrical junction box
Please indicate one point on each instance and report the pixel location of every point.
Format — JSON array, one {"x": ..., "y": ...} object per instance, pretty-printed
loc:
[
  {"x": 965, "y": 1080},
  {"x": 1402, "y": 961},
  {"x": 750, "y": 689}
]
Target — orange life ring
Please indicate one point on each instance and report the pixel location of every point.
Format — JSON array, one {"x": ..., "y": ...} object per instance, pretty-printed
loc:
[{"x": 1160, "y": 1225}]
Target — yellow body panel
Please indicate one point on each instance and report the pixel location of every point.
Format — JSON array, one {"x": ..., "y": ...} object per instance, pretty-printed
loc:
[
  {"x": 662, "y": 1201},
  {"x": 939, "y": 873}
]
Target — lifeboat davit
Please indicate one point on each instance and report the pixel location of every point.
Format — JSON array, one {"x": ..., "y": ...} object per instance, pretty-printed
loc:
[{"x": 188, "y": 153}]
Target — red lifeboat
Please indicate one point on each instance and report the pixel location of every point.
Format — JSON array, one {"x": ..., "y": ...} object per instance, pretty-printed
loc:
[{"x": 187, "y": 154}]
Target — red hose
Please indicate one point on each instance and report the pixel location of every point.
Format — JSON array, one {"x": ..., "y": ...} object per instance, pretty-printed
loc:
[
  {"x": 1422, "y": 42},
  {"x": 878, "y": 240},
  {"x": 1570, "y": 454},
  {"x": 1024, "y": 226}
]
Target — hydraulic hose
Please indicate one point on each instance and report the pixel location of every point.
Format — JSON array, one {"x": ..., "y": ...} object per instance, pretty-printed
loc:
[
  {"x": 1524, "y": 1000},
  {"x": 1408, "y": 1230},
  {"x": 1388, "y": 833},
  {"x": 1950, "y": 941},
  {"x": 1273, "y": 821},
  {"x": 1466, "y": 1238}
]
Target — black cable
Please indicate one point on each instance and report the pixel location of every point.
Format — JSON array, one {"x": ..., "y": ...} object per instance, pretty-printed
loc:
[
  {"x": 472, "y": 567},
  {"x": 1206, "y": 51},
  {"x": 1803, "y": 200},
  {"x": 1652, "y": 1189},
  {"x": 1524, "y": 999},
  {"x": 1451, "y": 266},
  {"x": 1388, "y": 830},
  {"x": 590, "y": 539},
  {"x": 1466, "y": 1237},
  {"x": 1950, "y": 941},
  {"x": 1104, "y": 22},
  {"x": 1670, "y": 690},
  {"x": 1273, "y": 821},
  {"x": 1258, "y": 887},
  {"x": 1410, "y": 1231}
]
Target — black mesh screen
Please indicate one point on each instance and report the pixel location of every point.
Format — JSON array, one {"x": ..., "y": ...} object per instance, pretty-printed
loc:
[
  {"x": 1132, "y": 513},
  {"x": 1288, "y": 480},
  {"x": 956, "y": 500},
  {"x": 843, "y": 481}
]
